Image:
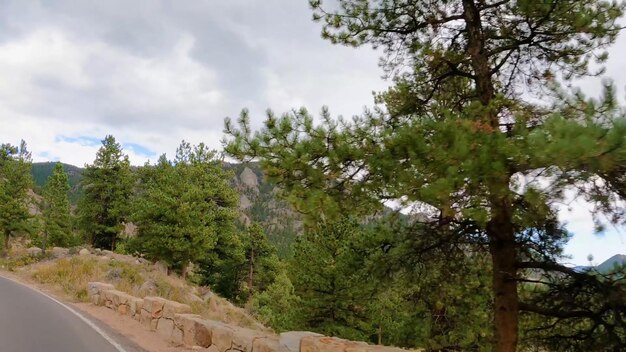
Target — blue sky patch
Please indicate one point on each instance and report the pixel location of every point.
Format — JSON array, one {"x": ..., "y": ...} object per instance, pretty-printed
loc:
[
  {"x": 82, "y": 140},
  {"x": 138, "y": 149},
  {"x": 89, "y": 141}
]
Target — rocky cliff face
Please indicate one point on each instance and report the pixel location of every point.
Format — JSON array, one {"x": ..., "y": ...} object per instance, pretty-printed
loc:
[
  {"x": 259, "y": 202},
  {"x": 249, "y": 180}
]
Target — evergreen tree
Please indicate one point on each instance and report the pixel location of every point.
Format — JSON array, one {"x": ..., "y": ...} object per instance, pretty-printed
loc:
[
  {"x": 278, "y": 306},
  {"x": 107, "y": 188},
  {"x": 185, "y": 209},
  {"x": 459, "y": 136},
  {"x": 57, "y": 220},
  {"x": 15, "y": 182},
  {"x": 262, "y": 264},
  {"x": 431, "y": 292},
  {"x": 368, "y": 282},
  {"x": 209, "y": 195},
  {"x": 328, "y": 276}
]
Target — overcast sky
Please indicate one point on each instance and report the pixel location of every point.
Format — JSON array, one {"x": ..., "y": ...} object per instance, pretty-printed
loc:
[{"x": 155, "y": 72}]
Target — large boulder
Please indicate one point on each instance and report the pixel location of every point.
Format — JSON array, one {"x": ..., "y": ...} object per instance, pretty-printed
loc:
[
  {"x": 121, "y": 301},
  {"x": 291, "y": 339},
  {"x": 148, "y": 288},
  {"x": 242, "y": 339},
  {"x": 221, "y": 335},
  {"x": 134, "y": 307},
  {"x": 84, "y": 251},
  {"x": 154, "y": 306},
  {"x": 33, "y": 251},
  {"x": 192, "y": 329},
  {"x": 96, "y": 291},
  {"x": 60, "y": 252},
  {"x": 96, "y": 288},
  {"x": 165, "y": 327},
  {"x": 170, "y": 308},
  {"x": 268, "y": 344}
]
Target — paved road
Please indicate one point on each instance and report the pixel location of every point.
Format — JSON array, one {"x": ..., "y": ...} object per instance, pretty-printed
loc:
[{"x": 32, "y": 322}]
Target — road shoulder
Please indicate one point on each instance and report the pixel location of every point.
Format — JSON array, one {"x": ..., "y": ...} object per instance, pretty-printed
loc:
[{"x": 127, "y": 332}]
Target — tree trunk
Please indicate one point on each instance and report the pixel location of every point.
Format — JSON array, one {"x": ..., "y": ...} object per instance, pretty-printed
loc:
[
  {"x": 502, "y": 247},
  {"x": 5, "y": 249},
  {"x": 44, "y": 243},
  {"x": 251, "y": 271}
]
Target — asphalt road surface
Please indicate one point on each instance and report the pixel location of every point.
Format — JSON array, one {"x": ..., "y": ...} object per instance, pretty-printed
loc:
[{"x": 32, "y": 322}]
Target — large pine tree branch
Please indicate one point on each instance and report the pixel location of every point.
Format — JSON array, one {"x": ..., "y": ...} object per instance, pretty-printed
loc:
[{"x": 556, "y": 313}]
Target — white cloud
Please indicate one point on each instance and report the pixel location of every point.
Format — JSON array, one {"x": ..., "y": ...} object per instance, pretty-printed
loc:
[
  {"x": 586, "y": 242},
  {"x": 153, "y": 73}
]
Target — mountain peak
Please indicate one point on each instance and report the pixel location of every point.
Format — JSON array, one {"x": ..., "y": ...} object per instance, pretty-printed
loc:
[{"x": 609, "y": 264}]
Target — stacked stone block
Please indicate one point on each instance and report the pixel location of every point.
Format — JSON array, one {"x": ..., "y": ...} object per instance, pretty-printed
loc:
[{"x": 175, "y": 322}]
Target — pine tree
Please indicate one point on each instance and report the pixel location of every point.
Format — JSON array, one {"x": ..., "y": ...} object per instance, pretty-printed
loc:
[
  {"x": 107, "y": 186},
  {"x": 57, "y": 220},
  {"x": 278, "y": 306},
  {"x": 262, "y": 264},
  {"x": 459, "y": 135},
  {"x": 185, "y": 208},
  {"x": 15, "y": 182},
  {"x": 327, "y": 275}
]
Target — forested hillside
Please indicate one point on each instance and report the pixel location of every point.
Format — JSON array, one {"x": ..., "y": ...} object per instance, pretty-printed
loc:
[
  {"x": 41, "y": 171},
  {"x": 258, "y": 200}
]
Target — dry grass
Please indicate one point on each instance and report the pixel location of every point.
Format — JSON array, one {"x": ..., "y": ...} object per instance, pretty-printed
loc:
[{"x": 71, "y": 275}]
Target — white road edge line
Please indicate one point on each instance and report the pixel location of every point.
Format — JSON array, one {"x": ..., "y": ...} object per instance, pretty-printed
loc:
[{"x": 80, "y": 316}]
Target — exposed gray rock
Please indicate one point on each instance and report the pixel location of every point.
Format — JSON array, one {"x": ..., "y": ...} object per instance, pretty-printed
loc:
[
  {"x": 244, "y": 202},
  {"x": 84, "y": 251},
  {"x": 59, "y": 252},
  {"x": 148, "y": 288},
  {"x": 143, "y": 261},
  {"x": 248, "y": 178},
  {"x": 130, "y": 229},
  {"x": 95, "y": 288},
  {"x": 33, "y": 251},
  {"x": 114, "y": 274}
]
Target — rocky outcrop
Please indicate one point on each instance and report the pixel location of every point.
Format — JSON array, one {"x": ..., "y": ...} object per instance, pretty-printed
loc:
[
  {"x": 249, "y": 179},
  {"x": 244, "y": 202},
  {"x": 60, "y": 252},
  {"x": 33, "y": 251},
  {"x": 175, "y": 322}
]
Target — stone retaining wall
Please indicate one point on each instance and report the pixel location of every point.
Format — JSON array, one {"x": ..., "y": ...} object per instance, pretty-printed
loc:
[{"x": 175, "y": 322}]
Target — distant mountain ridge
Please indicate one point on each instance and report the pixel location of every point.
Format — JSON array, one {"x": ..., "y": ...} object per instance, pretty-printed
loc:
[
  {"x": 606, "y": 266},
  {"x": 611, "y": 263}
]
